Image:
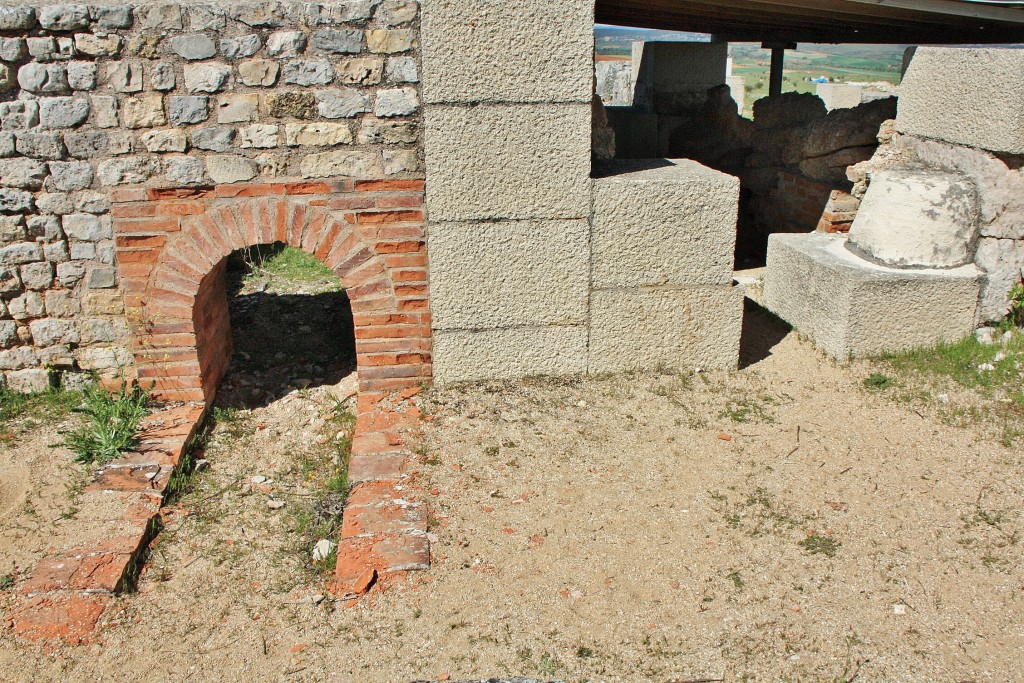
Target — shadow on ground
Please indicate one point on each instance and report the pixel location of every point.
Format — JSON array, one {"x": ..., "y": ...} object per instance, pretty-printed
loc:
[{"x": 762, "y": 331}]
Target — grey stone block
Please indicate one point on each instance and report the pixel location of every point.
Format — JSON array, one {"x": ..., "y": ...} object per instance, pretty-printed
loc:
[
  {"x": 308, "y": 72},
  {"x": 230, "y": 168},
  {"x": 119, "y": 16},
  {"x": 476, "y": 51},
  {"x": 242, "y": 46},
  {"x": 396, "y": 102},
  {"x": 967, "y": 96},
  {"x": 187, "y": 109},
  {"x": 15, "y": 201},
  {"x": 206, "y": 18},
  {"x": 63, "y": 112},
  {"x": 82, "y": 75},
  {"x": 161, "y": 17},
  {"x": 206, "y": 77},
  {"x": 338, "y": 41},
  {"x": 214, "y": 138},
  {"x": 86, "y": 144},
  {"x": 681, "y": 328},
  {"x": 401, "y": 70},
  {"x": 514, "y": 280},
  {"x": 29, "y": 381},
  {"x": 19, "y": 115},
  {"x": 850, "y": 307},
  {"x": 192, "y": 46},
  {"x": 464, "y": 356},
  {"x": 341, "y": 103},
  {"x": 22, "y": 252},
  {"x": 41, "y": 145},
  {"x": 286, "y": 43},
  {"x": 12, "y": 49},
  {"x": 28, "y": 174},
  {"x": 125, "y": 76},
  {"x": 102, "y": 278},
  {"x": 67, "y": 176},
  {"x": 45, "y": 228},
  {"x": 37, "y": 275},
  {"x": 508, "y": 161},
  {"x": 44, "y": 79},
  {"x": 663, "y": 222},
  {"x": 85, "y": 227},
  {"x": 17, "y": 18},
  {"x": 63, "y": 17}
]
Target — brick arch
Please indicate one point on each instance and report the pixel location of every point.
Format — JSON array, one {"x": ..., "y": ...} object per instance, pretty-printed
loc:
[{"x": 172, "y": 259}]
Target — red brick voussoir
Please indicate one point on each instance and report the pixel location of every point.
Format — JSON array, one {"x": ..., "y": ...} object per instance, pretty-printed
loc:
[{"x": 117, "y": 515}]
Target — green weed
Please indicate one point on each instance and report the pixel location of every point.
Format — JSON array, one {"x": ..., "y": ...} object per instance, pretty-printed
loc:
[
  {"x": 112, "y": 421},
  {"x": 878, "y": 381},
  {"x": 815, "y": 544},
  {"x": 6, "y": 582}
]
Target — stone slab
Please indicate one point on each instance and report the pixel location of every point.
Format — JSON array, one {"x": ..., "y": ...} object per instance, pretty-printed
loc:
[
  {"x": 527, "y": 51},
  {"x": 465, "y": 356},
  {"x": 663, "y": 222},
  {"x": 508, "y": 274},
  {"x": 679, "y": 328},
  {"x": 967, "y": 96},
  {"x": 850, "y": 307},
  {"x": 508, "y": 161}
]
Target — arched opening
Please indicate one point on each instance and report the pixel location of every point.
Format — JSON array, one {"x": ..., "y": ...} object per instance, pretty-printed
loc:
[
  {"x": 178, "y": 305},
  {"x": 290, "y": 326}
]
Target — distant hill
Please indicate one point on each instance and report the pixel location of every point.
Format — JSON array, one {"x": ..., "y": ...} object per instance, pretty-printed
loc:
[{"x": 614, "y": 41}]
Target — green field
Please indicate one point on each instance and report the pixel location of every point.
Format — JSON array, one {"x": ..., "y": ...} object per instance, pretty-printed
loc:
[{"x": 840, "y": 63}]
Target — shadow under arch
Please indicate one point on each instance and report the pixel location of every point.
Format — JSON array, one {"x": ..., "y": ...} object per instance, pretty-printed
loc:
[{"x": 179, "y": 315}]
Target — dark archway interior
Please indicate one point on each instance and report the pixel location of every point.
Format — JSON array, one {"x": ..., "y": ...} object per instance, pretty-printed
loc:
[{"x": 291, "y": 329}]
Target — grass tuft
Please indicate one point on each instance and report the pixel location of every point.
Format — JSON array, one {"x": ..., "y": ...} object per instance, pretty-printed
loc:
[{"x": 112, "y": 422}]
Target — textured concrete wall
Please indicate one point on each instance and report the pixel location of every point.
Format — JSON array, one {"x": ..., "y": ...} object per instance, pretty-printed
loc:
[
  {"x": 508, "y": 189},
  {"x": 972, "y": 97}
]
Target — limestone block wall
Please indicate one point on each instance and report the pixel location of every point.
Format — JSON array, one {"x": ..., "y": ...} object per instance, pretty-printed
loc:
[
  {"x": 508, "y": 184},
  {"x": 99, "y": 98},
  {"x": 535, "y": 266}
]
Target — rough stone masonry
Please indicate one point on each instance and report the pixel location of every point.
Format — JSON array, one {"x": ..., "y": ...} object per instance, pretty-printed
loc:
[{"x": 168, "y": 95}]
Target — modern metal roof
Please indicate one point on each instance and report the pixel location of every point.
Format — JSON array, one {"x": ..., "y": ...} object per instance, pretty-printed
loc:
[{"x": 947, "y": 22}]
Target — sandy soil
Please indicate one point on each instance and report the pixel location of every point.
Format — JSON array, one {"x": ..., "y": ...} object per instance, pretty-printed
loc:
[
  {"x": 778, "y": 523},
  {"x": 39, "y": 481}
]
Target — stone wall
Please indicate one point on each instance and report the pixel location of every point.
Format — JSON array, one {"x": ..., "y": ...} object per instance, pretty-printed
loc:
[
  {"x": 165, "y": 95},
  {"x": 524, "y": 245},
  {"x": 508, "y": 185}
]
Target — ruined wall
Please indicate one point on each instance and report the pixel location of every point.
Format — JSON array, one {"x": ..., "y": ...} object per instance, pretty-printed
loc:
[{"x": 166, "y": 95}]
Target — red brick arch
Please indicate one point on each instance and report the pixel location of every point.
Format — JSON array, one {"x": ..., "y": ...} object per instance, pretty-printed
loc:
[{"x": 172, "y": 247}]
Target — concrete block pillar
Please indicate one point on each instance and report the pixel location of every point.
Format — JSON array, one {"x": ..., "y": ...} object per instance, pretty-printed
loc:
[
  {"x": 507, "y": 87},
  {"x": 673, "y": 78}
]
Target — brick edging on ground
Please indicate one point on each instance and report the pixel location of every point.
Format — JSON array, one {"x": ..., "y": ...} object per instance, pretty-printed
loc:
[{"x": 383, "y": 531}]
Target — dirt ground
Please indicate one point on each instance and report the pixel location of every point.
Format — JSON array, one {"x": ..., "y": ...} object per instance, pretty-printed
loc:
[
  {"x": 39, "y": 480},
  {"x": 783, "y": 522}
]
